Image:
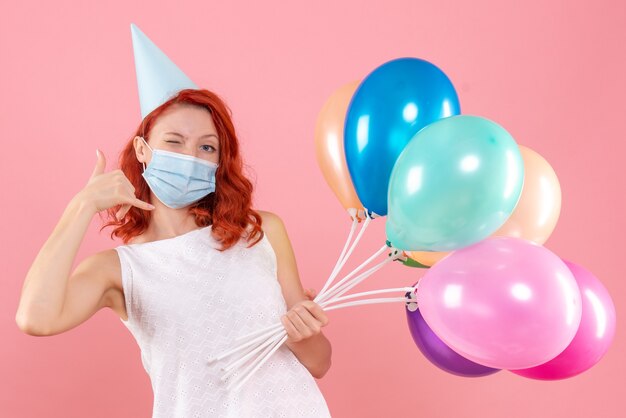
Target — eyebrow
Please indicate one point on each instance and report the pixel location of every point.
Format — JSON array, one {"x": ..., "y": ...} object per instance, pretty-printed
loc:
[{"x": 203, "y": 136}]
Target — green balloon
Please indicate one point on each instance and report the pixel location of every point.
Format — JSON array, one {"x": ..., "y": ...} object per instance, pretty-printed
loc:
[
  {"x": 455, "y": 183},
  {"x": 412, "y": 263}
]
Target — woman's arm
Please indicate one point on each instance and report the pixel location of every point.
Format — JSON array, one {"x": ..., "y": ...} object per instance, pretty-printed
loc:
[
  {"x": 53, "y": 298},
  {"x": 304, "y": 318},
  {"x": 44, "y": 289},
  {"x": 306, "y": 339}
]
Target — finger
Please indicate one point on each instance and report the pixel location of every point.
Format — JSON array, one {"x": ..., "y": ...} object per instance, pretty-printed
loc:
[
  {"x": 317, "y": 311},
  {"x": 137, "y": 202},
  {"x": 299, "y": 324},
  {"x": 308, "y": 319},
  {"x": 122, "y": 212},
  {"x": 141, "y": 204},
  {"x": 292, "y": 332},
  {"x": 100, "y": 164},
  {"x": 124, "y": 207}
]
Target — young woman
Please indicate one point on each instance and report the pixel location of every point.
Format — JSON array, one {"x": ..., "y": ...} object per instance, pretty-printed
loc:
[{"x": 199, "y": 268}]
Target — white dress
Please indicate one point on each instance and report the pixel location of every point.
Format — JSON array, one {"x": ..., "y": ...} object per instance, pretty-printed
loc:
[{"x": 186, "y": 302}]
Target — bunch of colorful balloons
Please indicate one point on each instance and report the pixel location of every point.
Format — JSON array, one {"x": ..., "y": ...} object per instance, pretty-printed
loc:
[{"x": 464, "y": 200}]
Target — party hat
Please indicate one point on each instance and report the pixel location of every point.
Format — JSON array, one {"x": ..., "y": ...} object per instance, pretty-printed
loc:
[{"x": 158, "y": 78}]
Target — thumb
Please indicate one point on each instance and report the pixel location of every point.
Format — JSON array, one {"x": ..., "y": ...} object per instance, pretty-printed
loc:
[
  {"x": 310, "y": 293},
  {"x": 100, "y": 164}
]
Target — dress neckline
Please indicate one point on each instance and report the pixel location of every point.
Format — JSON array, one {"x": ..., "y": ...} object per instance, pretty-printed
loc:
[{"x": 173, "y": 238}]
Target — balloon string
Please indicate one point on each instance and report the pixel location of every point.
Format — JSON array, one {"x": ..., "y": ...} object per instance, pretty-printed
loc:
[
  {"x": 260, "y": 363},
  {"x": 342, "y": 260},
  {"x": 258, "y": 332},
  {"x": 366, "y": 302},
  {"x": 263, "y": 357},
  {"x": 274, "y": 328},
  {"x": 249, "y": 366},
  {"x": 335, "y": 270},
  {"x": 333, "y": 290},
  {"x": 238, "y": 348},
  {"x": 326, "y": 297},
  {"x": 338, "y": 265},
  {"x": 347, "y": 287},
  {"x": 372, "y": 292},
  {"x": 231, "y": 367}
]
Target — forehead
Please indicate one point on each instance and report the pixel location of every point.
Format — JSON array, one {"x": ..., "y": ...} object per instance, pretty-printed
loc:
[{"x": 189, "y": 120}]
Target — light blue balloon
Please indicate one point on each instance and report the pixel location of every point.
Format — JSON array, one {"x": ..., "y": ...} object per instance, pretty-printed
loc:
[
  {"x": 456, "y": 183},
  {"x": 390, "y": 105}
]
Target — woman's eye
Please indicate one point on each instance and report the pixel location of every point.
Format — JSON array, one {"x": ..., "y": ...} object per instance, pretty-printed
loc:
[
  {"x": 208, "y": 146},
  {"x": 173, "y": 142}
]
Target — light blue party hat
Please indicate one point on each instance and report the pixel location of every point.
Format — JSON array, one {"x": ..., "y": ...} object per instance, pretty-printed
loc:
[{"x": 158, "y": 78}]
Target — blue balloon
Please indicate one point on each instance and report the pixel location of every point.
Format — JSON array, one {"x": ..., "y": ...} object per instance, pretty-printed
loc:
[{"x": 389, "y": 107}]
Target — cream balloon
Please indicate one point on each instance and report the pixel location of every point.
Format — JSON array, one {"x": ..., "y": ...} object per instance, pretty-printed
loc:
[
  {"x": 330, "y": 149},
  {"x": 539, "y": 207}
]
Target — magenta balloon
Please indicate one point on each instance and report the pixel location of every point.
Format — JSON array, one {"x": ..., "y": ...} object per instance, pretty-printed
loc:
[
  {"x": 504, "y": 302},
  {"x": 593, "y": 338}
]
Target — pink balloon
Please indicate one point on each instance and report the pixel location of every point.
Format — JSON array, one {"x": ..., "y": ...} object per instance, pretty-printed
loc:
[
  {"x": 595, "y": 333},
  {"x": 504, "y": 302}
]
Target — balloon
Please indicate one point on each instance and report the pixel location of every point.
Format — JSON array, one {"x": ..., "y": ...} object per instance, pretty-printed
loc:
[
  {"x": 504, "y": 302},
  {"x": 409, "y": 262},
  {"x": 329, "y": 145},
  {"x": 455, "y": 183},
  {"x": 594, "y": 335},
  {"x": 536, "y": 213},
  {"x": 392, "y": 103},
  {"x": 440, "y": 354},
  {"x": 427, "y": 258},
  {"x": 539, "y": 206}
]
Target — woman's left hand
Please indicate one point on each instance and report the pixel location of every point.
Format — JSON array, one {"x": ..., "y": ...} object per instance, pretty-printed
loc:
[{"x": 304, "y": 320}]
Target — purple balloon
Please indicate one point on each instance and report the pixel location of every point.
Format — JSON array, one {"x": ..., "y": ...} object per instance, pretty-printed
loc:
[
  {"x": 593, "y": 338},
  {"x": 440, "y": 354}
]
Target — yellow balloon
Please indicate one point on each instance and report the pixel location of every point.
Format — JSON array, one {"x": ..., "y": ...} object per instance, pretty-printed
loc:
[
  {"x": 329, "y": 149},
  {"x": 537, "y": 211}
]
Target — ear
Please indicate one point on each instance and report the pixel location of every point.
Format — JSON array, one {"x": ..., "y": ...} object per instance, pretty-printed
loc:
[{"x": 141, "y": 150}]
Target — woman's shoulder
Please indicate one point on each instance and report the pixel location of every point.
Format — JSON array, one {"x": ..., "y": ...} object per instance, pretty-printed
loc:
[
  {"x": 270, "y": 220},
  {"x": 264, "y": 213},
  {"x": 274, "y": 228}
]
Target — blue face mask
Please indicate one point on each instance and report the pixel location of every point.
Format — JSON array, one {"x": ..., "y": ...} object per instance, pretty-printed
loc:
[{"x": 178, "y": 180}]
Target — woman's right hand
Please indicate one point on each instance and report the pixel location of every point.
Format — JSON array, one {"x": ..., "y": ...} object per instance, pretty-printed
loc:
[{"x": 106, "y": 190}]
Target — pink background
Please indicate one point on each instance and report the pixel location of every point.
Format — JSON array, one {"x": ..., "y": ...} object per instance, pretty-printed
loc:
[{"x": 551, "y": 72}]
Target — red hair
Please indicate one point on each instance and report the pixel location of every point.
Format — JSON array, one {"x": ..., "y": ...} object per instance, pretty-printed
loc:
[{"x": 228, "y": 209}]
